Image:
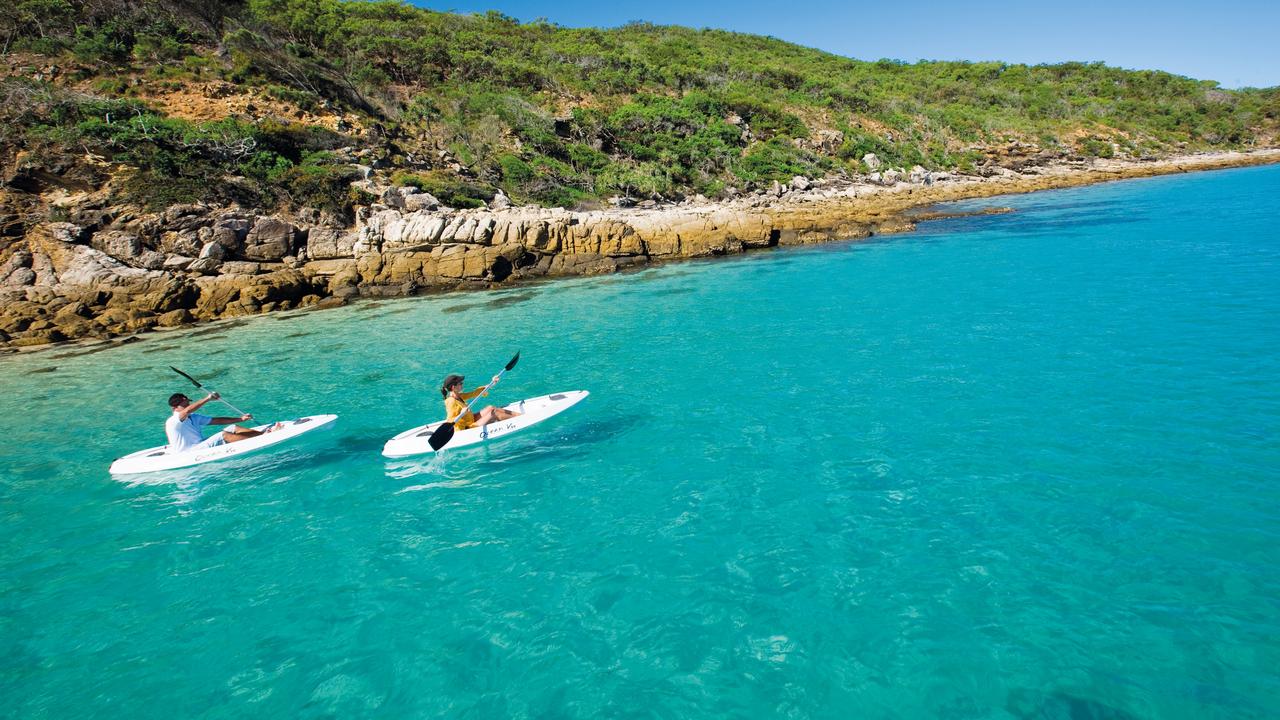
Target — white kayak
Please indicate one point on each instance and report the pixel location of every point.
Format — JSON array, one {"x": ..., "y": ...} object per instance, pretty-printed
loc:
[
  {"x": 532, "y": 411},
  {"x": 159, "y": 458}
]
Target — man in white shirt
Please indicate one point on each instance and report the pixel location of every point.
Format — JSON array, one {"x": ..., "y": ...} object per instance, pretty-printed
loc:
[{"x": 183, "y": 426}]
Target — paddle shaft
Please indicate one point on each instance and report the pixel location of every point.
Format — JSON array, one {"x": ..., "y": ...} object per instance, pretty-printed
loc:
[
  {"x": 467, "y": 409},
  {"x": 444, "y": 433},
  {"x": 209, "y": 390},
  {"x": 237, "y": 410}
]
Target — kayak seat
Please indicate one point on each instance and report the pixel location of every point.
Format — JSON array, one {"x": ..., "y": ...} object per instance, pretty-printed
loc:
[
  {"x": 557, "y": 396},
  {"x": 299, "y": 421},
  {"x": 158, "y": 454}
]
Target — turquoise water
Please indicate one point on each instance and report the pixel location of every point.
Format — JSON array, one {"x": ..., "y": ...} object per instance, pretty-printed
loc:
[{"x": 1016, "y": 466}]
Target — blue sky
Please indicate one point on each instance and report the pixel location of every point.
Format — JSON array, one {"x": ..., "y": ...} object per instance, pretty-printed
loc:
[{"x": 1234, "y": 42}]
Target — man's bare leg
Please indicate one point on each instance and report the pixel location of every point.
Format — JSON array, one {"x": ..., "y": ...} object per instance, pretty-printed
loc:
[{"x": 235, "y": 433}]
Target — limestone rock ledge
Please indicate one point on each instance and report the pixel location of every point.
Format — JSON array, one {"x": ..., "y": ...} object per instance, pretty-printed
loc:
[
  {"x": 117, "y": 271},
  {"x": 63, "y": 281}
]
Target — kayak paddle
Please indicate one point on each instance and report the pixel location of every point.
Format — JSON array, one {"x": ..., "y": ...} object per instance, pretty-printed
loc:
[
  {"x": 197, "y": 384},
  {"x": 444, "y": 433}
]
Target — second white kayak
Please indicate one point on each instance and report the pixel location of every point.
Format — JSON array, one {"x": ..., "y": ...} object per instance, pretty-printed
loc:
[{"x": 532, "y": 411}]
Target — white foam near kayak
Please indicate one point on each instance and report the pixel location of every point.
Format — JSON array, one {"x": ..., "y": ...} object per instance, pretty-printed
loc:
[
  {"x": 532, "y": 411},
  {"x": 159, "y": 458}
]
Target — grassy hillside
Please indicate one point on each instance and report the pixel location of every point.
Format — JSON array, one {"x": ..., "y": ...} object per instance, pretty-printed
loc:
[{"x": 279, "y": 102}]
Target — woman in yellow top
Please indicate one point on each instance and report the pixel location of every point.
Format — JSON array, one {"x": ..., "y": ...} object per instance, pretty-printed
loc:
[{"x": 455, "y": 403}]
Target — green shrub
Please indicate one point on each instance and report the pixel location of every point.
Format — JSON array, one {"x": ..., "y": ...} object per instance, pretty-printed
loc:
[
  {"x": 320, "y": 186},
  {"x": 447, "y": 188},
  {"x": 551, "y": 113},
  {"x": 109, "y": 43},
  {"x": 1097, "y": 147},
  {"x": 154, "y": 47}
]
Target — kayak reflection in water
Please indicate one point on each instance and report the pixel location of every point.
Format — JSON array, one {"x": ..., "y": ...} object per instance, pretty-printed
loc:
[
  {"x": 183, "y": 426},
  {"x": 455, "y": 404}
]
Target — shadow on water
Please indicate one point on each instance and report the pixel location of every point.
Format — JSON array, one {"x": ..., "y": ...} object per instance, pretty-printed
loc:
[
  {"x": 1030, "y": 222},
  {"x": 299, "y": 334},
  {"x": 1035, "y": 705},
  {"x": 563, "y": 442},
  {"x": 159, "y": 348},
  {"x": 206, "y": 375},
  {"x": 385, "y": 306},
  {"x": 680, "y": 290},
  {"x": 343, "y": 449},
  {"x": 96, "y": 348},
  {"x": 513, "y": 299},
  {"x": 218, "y": 328},
  {"x": 459, "y": 308}
]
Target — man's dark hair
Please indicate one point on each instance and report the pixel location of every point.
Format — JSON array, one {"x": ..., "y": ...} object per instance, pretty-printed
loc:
[{"x": 176, "y": 399}]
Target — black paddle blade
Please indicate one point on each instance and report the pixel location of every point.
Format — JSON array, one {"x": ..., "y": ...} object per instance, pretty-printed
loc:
[
  {"x": 513, "y": 360},
  {"x": 193, "y": 380},
  {"x": 441, "y": 436}
]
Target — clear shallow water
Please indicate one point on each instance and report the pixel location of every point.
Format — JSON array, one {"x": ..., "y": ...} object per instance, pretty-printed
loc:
[{"x": 1017, "y": 466}]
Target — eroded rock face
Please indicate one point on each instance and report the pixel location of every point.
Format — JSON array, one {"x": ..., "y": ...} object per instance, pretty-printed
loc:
[
  {"x": 195, "y": 262},
  {"x": 270, "y": 240}
]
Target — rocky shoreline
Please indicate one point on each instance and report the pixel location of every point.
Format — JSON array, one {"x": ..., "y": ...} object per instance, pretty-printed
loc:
[{"x": 103, "y": 272}]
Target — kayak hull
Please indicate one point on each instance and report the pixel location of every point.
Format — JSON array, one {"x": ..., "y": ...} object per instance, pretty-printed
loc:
[
  {"x": 532, "y": 411},
  {"x": 157, "y": 459}
]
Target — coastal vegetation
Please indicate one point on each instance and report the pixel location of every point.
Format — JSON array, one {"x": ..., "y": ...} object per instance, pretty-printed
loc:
[{"x": 137, "y": 97}]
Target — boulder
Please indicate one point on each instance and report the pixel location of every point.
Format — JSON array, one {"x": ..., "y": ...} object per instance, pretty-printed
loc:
[
  {"x": 178, "y": 263},
  {"x": 149, "y": 260},
  {"x": 72, "y": 309},
  {"x": 871, "y": 161},
  {"x": 230, "y": 240},
  {"x": 16, "y": 271},
  {"x": 213, "y": 250},
  {"x": 174, "y": 318},
  {"x": 285, "y": 285},
  {"x": 59, "y": 263},
  {"x": 500, "y": 201},
  {"x": 171, "y": 294},
  {"x": 324, "y": 243},
  {"x": 38, "y": 337},
  {"x": 393, "y": 197},
  {"x": 185, "y": 217},
  {"x": 68, "y": 233},
  {"x": 205, "y": 265},
  {"x": 117, "y": 244},
  {"x": 234, "y": 224},
  {"x": 412, "y": 232},
  {"x": 19, "y": 277},
  {"x": 270, "y": 239},
  {"x": 420, "y": 201},
  {"x": 240, "y": 267}
]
